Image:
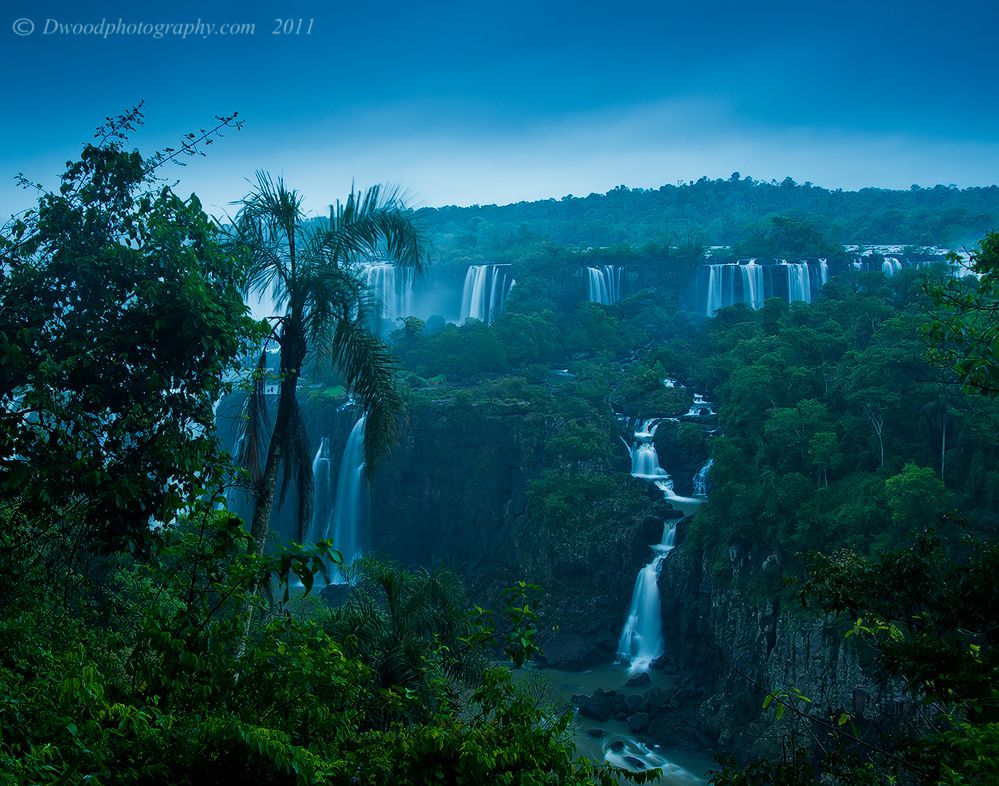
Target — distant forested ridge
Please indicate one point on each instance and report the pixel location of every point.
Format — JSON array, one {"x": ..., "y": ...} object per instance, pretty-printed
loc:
[{"x": 738, "y": 212}]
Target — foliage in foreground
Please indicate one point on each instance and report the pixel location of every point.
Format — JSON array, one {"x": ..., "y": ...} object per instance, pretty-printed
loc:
[
  {"x": 140, "y": 680},
  {"x": 126, "y": 657}
]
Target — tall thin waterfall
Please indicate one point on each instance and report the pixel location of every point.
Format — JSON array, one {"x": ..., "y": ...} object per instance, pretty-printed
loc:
[
  {"x": 391, "y": 288},
  {"x": 604, "y": 284},
  {"x": 823, "y": 272},
  {"x": 716, "y": 289},
  {"x": 641, "y": 639},
  {"x": 352, "y": 501},
  {"x": 485, "y": 292},
  {"x": 322, "y": 492},
  {"x": 701, "y": 479},
  {"x": 799, "y": 284},
  {"x": 752, "y": 283}
]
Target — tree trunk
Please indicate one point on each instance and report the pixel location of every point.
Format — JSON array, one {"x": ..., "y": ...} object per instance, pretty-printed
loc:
[
  {"x": 264, "y": 492},
  {"x": 292, "y": 357}
]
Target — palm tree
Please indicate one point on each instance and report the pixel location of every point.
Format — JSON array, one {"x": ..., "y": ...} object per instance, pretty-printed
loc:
[
  {"x": 410, "y": 629},
  {"x": 311, "y": 269}
]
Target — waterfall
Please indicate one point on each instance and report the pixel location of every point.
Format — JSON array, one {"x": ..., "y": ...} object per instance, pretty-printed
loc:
[
  {"x": 645, "y": 462},
  {"x": 646, "y": 429},
  {"x": 699, "y": 407},
  {"x": 701, "y": 479},
  {"x": 641, "y": 639},
  {"x": 604, "y": 284},
  {"x": 351, "y": 508},
  {"x": 823, "y": 272},
  {"x": 752, "y": 284},
  {"x": 485, "y": 292},
  {"x": 735, "y": 282},
  {"x": 391, "y": 289},
  {"x": 322, "y": 492},
  {"x": 716, "y": 297},
  {"x": 890, "y": 266},
  {"x": 799, "y": 285}
]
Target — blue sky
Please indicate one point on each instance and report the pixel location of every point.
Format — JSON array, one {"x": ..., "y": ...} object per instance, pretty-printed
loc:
[{"x": 480, "y": 102}]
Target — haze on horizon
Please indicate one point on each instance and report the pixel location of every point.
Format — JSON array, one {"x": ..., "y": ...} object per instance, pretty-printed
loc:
[{"x": 462, "y": 103}]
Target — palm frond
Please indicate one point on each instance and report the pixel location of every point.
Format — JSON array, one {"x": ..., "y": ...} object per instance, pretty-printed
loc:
[
  {"x": 269, "y": 223},
  {"x": 366, "y": 364},
  {"x": 373, "y": 223},
  {"x": 274, "y": 207}
]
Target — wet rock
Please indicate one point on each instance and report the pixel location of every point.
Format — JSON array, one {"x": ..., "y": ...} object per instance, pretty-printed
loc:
[
  {"x": 634, "y": 702},
  {"x": 639, "y": 680},
  {"x": 655, "y": 698},
  {"x": 634, "y": 762},
  {"x": 598, "y": 706},
  {"x": 616, "y": 747},
  {"x": 638, "y": 721},
  {"x": 597, "y": 733}
]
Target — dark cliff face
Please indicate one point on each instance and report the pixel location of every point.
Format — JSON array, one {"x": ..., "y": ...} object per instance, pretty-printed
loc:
[
  {"x": 683, "y": 447},
  {"x": 454, "y": 493},
  {"x": 737, "y": 648}
]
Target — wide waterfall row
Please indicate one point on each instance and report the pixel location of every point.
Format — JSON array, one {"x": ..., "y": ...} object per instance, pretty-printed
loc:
[
  {"x": 888, "y": 265},
  {"x": 604, "y": 284},
  {"x": 485, "y": 292},
  {"x": 390, "y": 289},
  {"x": 340, "y": 516},
  {"x": 750, "y": 282}
]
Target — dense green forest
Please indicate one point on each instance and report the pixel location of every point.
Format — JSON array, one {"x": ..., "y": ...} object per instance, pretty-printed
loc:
[
  {"x": 737, "y": 212},
  {"x": 152, "y": 636}
]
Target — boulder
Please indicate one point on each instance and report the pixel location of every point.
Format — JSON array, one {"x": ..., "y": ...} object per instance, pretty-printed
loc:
[
  {"x": 598, "y": 706},
  {"x": 639, "y": 680},
  {"x": 655, "y": 698},
  {"x": 634, "y": 702},
  {"x": 638, "y": 721}
]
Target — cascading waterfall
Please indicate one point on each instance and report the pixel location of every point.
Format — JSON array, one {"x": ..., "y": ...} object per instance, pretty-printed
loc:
[
  {"x": 799, "y": 285},
  {"x": 351, "y": 509},
  {"x": 391, "y": 287},
  {"x": 701, "y": 479},
  {"x": 645, "y": 462},
  {"x": 641, "y": 639},
  {"x": 700, "y": 407},
  {"x": 823, "y": 272},
  {"x": 604, "y": 284},
  {"x": 485, "y": 292}
]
